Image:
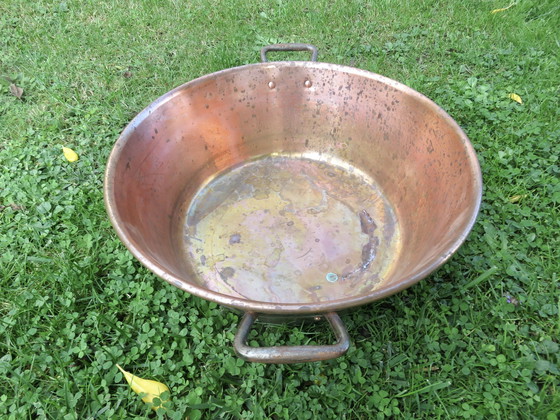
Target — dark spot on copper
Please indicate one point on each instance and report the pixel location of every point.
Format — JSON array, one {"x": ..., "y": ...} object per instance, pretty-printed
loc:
[{"x": 227, "y": 273}]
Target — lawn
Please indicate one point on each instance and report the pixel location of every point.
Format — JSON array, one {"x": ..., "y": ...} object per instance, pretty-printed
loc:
[{"x": 479, "y": 338}]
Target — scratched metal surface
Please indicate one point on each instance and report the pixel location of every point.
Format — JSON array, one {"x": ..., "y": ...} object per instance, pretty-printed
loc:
[{"x": 291, "y": 228}]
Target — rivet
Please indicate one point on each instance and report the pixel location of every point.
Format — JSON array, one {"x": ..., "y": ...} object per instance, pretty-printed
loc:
[
  {"x": 307, "y": 83},
  {"x": 271, "y": 85}
]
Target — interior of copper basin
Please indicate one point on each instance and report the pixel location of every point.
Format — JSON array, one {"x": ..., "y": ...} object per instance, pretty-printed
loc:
[
  {"x": 291, "y": 229},
  {"x": 287, "y": 183}
]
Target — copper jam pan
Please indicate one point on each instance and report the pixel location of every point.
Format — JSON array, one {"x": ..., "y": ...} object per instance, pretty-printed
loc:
[{"x": 292, "y": 188}]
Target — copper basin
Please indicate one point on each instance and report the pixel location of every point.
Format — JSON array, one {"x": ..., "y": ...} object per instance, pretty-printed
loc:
[{"x": 292, "y": 188}]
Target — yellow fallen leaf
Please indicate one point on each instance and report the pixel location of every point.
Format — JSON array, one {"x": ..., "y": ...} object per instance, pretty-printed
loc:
[
  {"x": 69, "y": 154},
  {"x": 503, "y": 9},
  {"x": 515, "y": 97},
  {"x": 516, "y": 198},
  {"x": 151, "y": 389}
]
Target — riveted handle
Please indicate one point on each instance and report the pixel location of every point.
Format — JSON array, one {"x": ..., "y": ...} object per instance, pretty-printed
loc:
[
  {"x": 289, "y": 47},
  {"x": 290, "y": 354}
]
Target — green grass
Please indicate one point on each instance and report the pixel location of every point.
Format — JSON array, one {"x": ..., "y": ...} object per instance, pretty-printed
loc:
[{"x": 477, "y": 339}]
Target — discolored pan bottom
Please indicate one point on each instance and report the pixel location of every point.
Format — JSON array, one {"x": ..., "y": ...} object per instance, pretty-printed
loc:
[{"x": 293, "y": 229}]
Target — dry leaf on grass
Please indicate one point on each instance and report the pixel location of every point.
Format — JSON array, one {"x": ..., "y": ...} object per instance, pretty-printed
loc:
[
  {"x": 515, "y": 97},
  {"x": 517, "y": 198},
  {"x": 503, "y": 9},
  {"x": 16, "y": 90},
  {"x": 148, "y": 388},
  {"x": 69, "y": 154}
]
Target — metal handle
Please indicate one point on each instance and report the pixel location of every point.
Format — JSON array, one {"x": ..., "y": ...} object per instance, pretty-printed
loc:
[
  {"x": 290, "y": 354},
  {"x": 289, "y": 47}
]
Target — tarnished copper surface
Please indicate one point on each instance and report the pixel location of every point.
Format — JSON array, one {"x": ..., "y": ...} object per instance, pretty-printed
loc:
[
  {"x": 292, "y": 187},
  {"x": 291, "y": 229}
]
